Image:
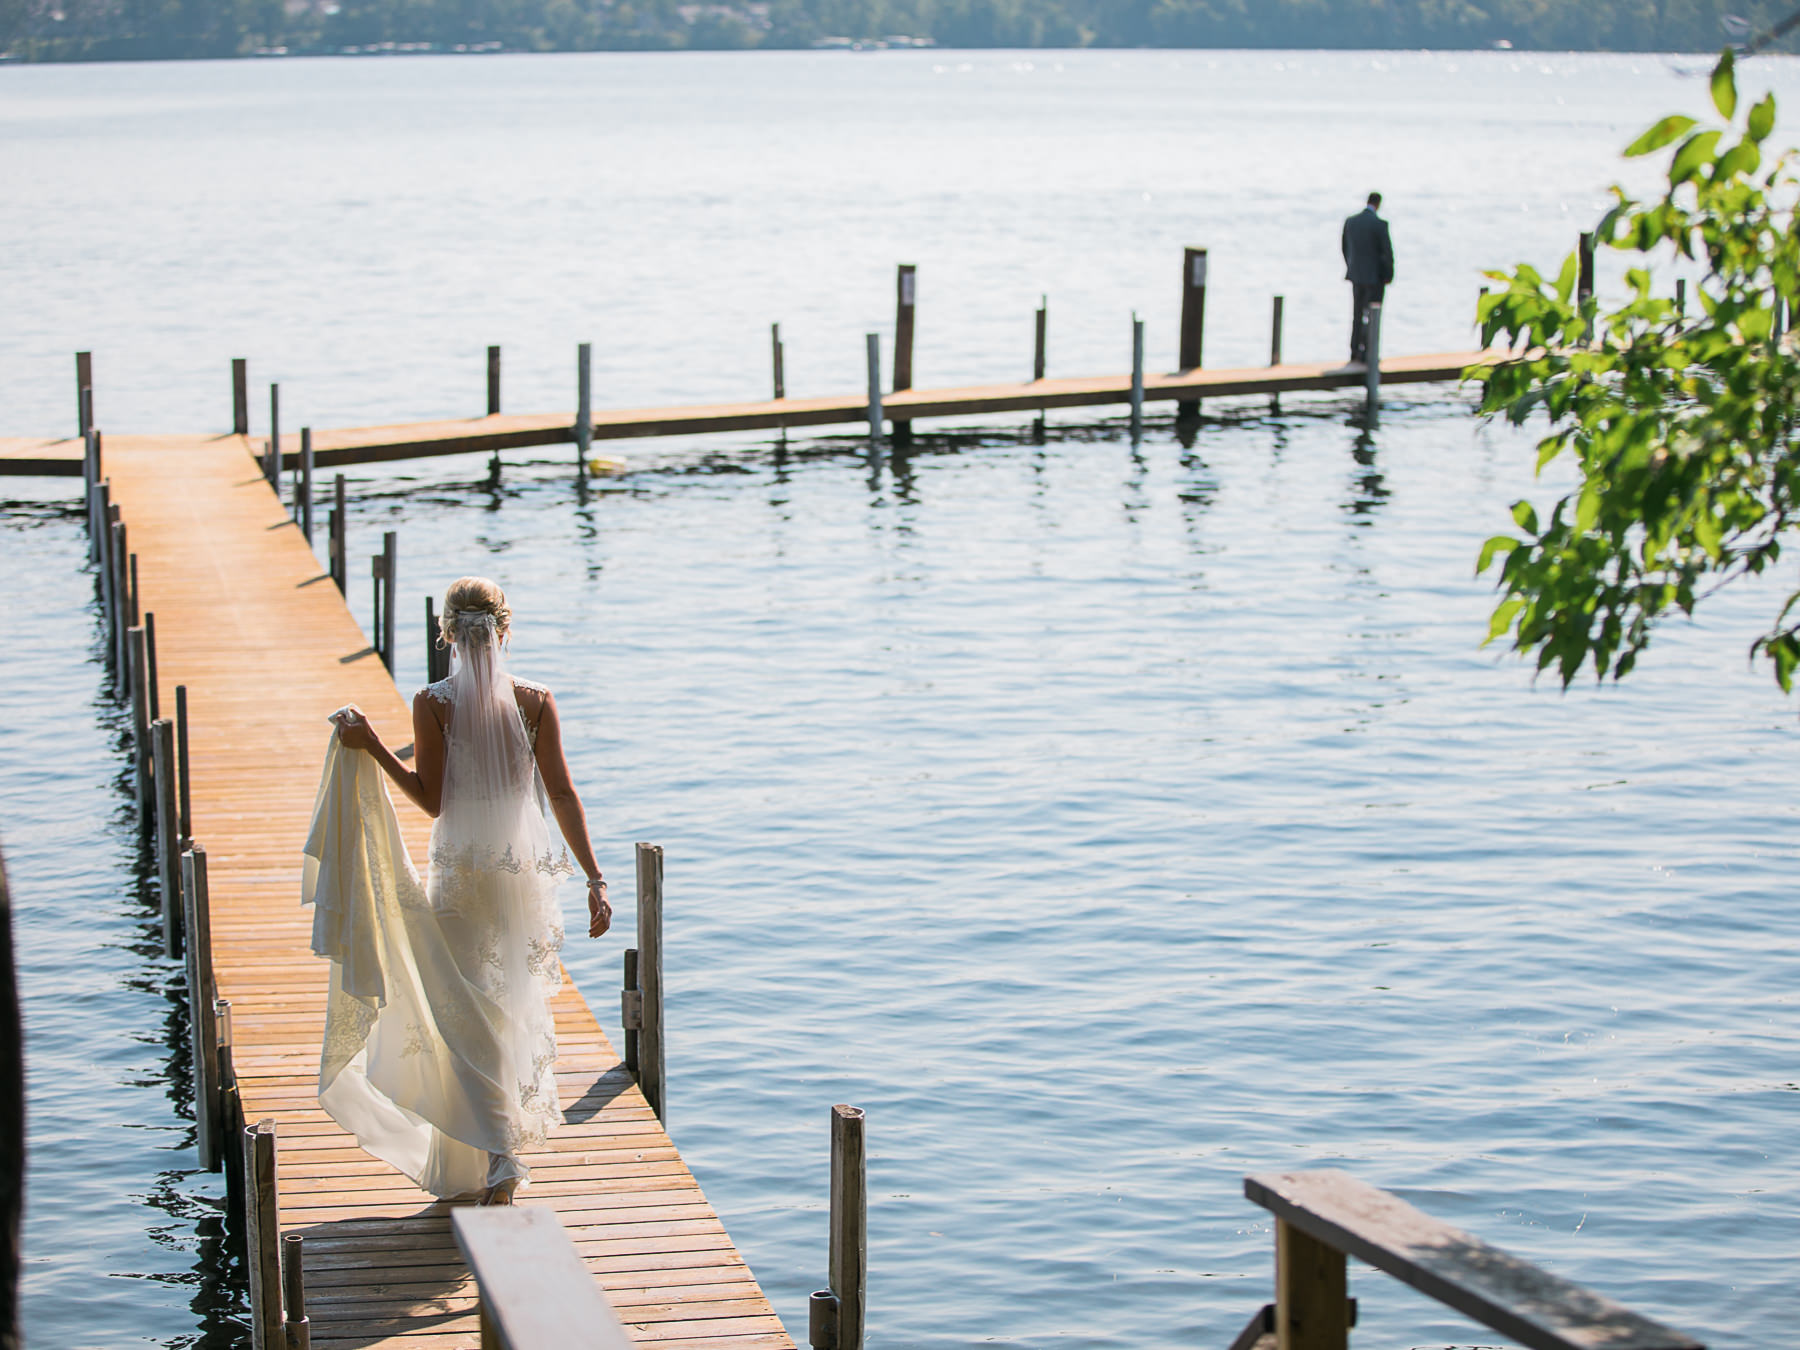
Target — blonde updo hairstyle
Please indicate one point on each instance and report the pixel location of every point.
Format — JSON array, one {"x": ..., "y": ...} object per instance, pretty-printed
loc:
[{"x": 473, "y": 595}]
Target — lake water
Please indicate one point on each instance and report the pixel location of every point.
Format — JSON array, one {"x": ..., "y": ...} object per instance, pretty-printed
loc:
[{"x": 1108, "y": 821}]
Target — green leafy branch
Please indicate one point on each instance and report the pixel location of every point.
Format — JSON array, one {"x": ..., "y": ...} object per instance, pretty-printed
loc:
[{"x": 1682, "y": 424}]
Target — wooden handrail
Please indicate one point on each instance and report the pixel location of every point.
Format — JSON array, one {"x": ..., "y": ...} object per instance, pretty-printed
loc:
[
  {"x": 1324, "y": 1216},
  {"x": 535, "y": 1291}
]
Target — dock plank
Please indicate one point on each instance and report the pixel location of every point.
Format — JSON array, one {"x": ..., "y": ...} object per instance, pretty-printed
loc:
[{"x": 266, "y": 650}]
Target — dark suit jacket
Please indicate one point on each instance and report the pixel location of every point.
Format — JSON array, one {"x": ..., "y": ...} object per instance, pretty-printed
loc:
[{"x": 1368, "y": 252}]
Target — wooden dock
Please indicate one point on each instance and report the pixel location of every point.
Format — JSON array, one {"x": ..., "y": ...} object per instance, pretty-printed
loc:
[
  {"x": 250, "y": 623},
  {"x": 512, "y": 431}
]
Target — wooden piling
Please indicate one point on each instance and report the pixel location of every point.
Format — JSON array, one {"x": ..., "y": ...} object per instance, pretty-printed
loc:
[
  {"x": 390, "y": 571},
  {"x": 306, "y": 483},
  {"x": 84, "y": 392},
  {"x": 631, "y": 1010},
  {"x": 168, "y": 834},
  {"x": 262, "y": 1237},
  {"x": 849, "y": 1226},
  {"x": 1040, "y": 351},
  {"x": 12, "y": 1126},
  {"x": 121, "y": 606},
  {"x": 231, "y": 1129},
  {"x": 375, "y": 599},
  {"x": 1137, "y": 376},
  {"x": 150, "y": 654},
  {"x": 776, "y": 356},
  {"x": 1681, "y": 297},
  {"x": 103, "y": 562},
  {"x": 651, "y": 1066},
  {"x": 1372, "y": 379},
  {"x": 240, "y": 396},
  {"x": 584, "y": 405},
  {"x": 272, "y": 463},
  {"x": 203, "y": 1017},
  {"x": 1312, "y": 1309},
  {"x": 293, "y": 1292},
  {"x": 140, "y": 723},
  {"x": 873, "y": 342},
  {"x": 1193, "y": 317},
  {"x": 905, "y": 296},
  {"x": 1584, "y": 286},
  {"x": 493, "y": 382},
  {"x": 185, "y": 818},
  {"x": 340, "y": 555},
  {"x": 1275, "y": 331}
]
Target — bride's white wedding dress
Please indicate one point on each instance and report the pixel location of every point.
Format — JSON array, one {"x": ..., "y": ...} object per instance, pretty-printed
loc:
[{"x": 440, "y": 1050}]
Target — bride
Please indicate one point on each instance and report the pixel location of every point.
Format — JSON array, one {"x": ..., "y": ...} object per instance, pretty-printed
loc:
[{"x": 448, "y": 1071}]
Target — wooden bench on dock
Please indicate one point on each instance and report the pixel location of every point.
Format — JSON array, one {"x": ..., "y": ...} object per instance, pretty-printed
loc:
[{"x": 1324, "y": 1217}]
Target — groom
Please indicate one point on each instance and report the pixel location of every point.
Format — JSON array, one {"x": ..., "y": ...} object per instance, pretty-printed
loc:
[{"x": 1369, "y": 264}]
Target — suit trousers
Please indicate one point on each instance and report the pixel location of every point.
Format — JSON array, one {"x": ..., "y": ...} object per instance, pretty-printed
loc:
[{"x": 1361, "y": 297}]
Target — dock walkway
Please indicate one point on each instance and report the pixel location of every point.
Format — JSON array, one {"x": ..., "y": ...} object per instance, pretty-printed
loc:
[
  {"x": 514, "y": 431},
  {"x": 249, "y": 622}
]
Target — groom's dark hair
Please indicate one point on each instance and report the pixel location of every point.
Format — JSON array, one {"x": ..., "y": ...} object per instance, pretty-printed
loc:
[{"x": 1375, "y": 200}]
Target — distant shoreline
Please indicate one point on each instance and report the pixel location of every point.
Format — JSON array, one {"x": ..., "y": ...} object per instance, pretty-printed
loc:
[{"x": 100, "y": 53}]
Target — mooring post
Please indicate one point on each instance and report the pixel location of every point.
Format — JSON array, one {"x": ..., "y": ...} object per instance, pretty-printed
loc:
[
  {"x": 1584, "y": 286},
  {"x": 240, "y": 396},
  {"x": 84, "y": 392},
  {"x": 186, "y": 817},
  {"x": 272, "y": 465},
  {"x": 631, "y": 1011},
  {"x": 150, "y": 649},
  {"x": 90, "y": 481},
  {"x": 306, "y": 483},
  {"x": 1275, "y": 347},
  {"x": 493, "y": 383},
  {"x": 340, "y": 554},
  {"x": 1312, "y": 1304},
  {"x": 836, "y": 1321},
  {"x": 140, "y": 723},
  {"x": 873, "y": 341},
  {"x": 905, "y": 307},
  {"x": 203, "y": 1019},
  {"x": 584, "y": 405},
  {"x": 1681, "y": 297},
  {"x": 121, "y": 596},
  {"x": 231, "y": 1123},
  {"x": 1043, "y": 333},
  {"x": 1137, "y": 376},
  {"x": 293, "y": 1292},
  {"x": 262, "y": 1236},
  {"x": 103, "y": 511},
  {"x": 775, "y": 355},
  {"x": 1372, "y": 408},
  {"x": 390, "y": 570},
  {"x": 652, "y": 1076},
  {"x": 1193, "y": 316},
  {"x": 168, "y": 834}
]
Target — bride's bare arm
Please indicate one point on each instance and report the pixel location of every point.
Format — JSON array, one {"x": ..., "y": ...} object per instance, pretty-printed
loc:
[
  {"x": 424, "y": 783},
  {"x": 565, "y": 804}
]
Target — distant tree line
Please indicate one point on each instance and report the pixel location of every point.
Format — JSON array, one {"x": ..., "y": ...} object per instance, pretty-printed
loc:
[{"x": 72, "y": 30}]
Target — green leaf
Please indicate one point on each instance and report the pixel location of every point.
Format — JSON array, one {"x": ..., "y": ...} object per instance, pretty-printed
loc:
[
  {"x": 1503, "y": 618},
  {"x": 1666, "y": 132},
  {"x": 1526, "y": 516},
  {"x": 1695, "y": 154},
  {"x": 1724, "y": 85},
  {"x": 1500, "y": 543},
  {"x": 1762, "y": 118}
]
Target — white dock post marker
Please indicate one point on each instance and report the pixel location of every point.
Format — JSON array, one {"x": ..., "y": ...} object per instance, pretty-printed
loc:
[
  {"x": 272, "y": 465},
  {"x": 1373, "y": 377},
  {"x": 1137, "y": 376},
  {"x": 584, "y": 405},
  {"x": 875, "y": 424},
  {"x": 306, "y": 483}
]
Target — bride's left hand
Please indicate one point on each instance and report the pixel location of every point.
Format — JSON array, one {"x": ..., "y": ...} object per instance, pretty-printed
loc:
[
  {"x": 355, "y": 731},
  {"x": 599, "y": 912}
]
